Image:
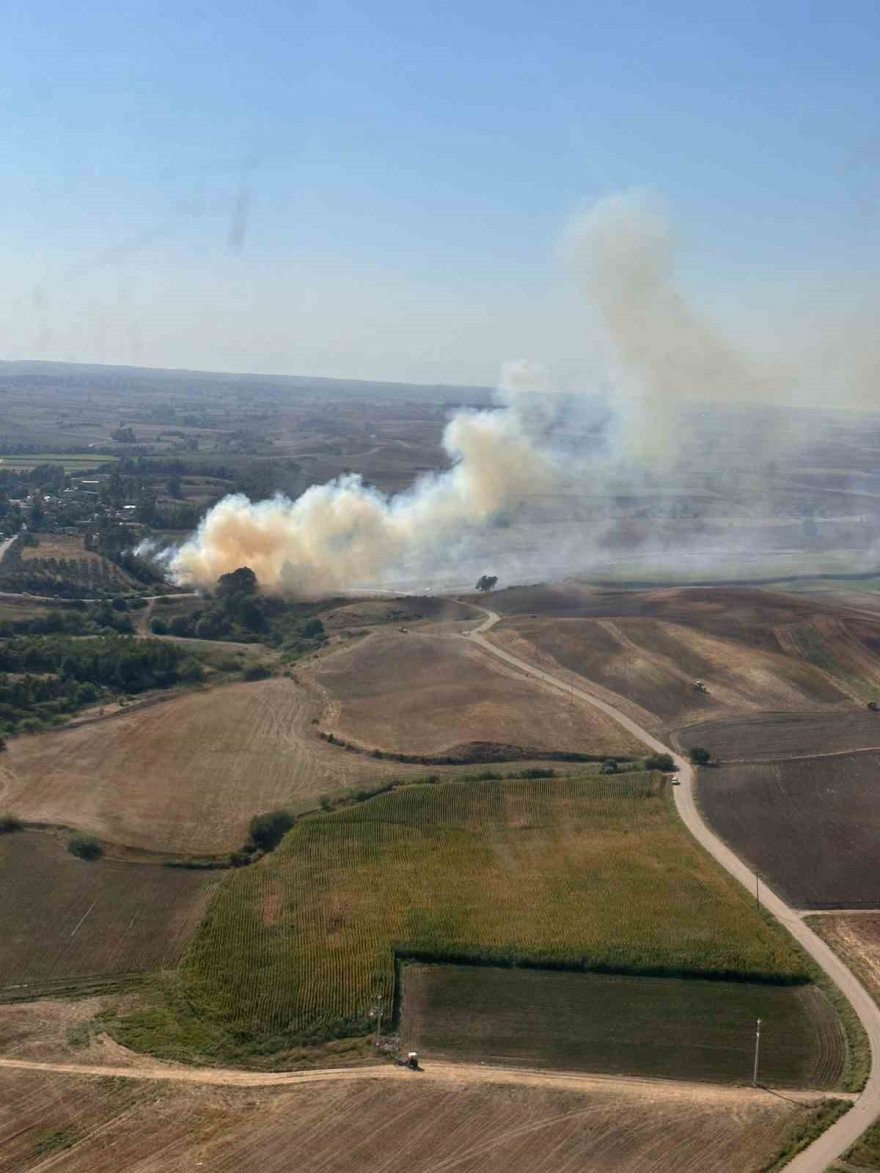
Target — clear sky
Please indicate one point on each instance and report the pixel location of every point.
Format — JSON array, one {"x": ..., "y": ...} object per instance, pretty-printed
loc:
[{"x": 377, "y": 189}]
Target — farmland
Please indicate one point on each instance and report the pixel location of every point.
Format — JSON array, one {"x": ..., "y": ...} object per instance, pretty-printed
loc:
[
  {"x": 610, "y": 1023},
  {"x": 437, "y": 1122},
  {"x": 65, "y": 923},
  {"x": 764, "y": 736},
  {"x": 590, "y": 872},
  {"x": 652, "y": 665},
  {"x": 185, "y": 774},
  {"x": 825, "y": 805},
  {"x": 59, "y": 564},
  {"x": 428, "y": 693}
]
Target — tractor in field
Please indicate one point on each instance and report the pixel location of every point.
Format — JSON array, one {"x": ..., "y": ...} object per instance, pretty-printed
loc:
[
  {"x": 411, "y": 1062},
  {"x": 699, "y": 685}
]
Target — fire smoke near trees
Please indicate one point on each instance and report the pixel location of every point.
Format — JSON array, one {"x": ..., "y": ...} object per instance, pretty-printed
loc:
[{"x": 532, "y": 444}]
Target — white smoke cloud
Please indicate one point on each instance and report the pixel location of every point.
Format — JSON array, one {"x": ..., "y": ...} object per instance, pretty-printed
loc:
[
  {"x": 345, "y": 532},
  {"x": 532, "y": 443}
]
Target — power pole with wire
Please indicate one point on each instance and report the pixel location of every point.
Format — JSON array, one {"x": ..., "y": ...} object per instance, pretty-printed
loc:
[{"x": 757, "y": 1053}]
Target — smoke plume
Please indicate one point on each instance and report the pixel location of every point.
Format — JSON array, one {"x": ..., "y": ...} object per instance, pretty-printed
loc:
[{"x": 531, "y": 443}]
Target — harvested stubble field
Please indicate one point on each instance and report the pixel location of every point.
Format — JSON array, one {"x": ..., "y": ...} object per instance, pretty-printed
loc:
[
  {"x": 652, "y": 664},
  {"x": 573, "y": 871},
  {"x": 763, "y": 736},
  {"x": 425, "y": 1124},
  {"x": 422, "y": 693},
  {"x": 65, "y": 923},
  {"x": 186, "y": 774},
  {"x": 810, "y": 826},
  {"x": 702, "y": 1030}
]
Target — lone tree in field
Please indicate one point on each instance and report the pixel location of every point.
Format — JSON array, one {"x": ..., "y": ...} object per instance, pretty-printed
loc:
[
  {"x": 699, "y": 755},
  {"x": 486, "y": 582}
]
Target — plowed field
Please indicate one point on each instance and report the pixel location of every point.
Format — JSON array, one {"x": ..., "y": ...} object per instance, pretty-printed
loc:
[
  {"x": 761, "y": 736},
  {"x": 604, "y": 1022},
  {"x": 65, "y": 922},
  {"x": 811, "y": 827}
]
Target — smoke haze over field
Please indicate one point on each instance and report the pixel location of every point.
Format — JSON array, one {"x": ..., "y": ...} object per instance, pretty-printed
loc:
[{"x": 533, "y": 445}]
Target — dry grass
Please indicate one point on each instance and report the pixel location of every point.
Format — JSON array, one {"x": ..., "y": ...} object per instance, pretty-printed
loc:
[
  {"x": 652, "y": 664},
  {"x": 427, "y": 1124},
  {"x": 426, "y": 693},
  {"x": 186, "y": 774},
  {"x": 58, "y": 546}
]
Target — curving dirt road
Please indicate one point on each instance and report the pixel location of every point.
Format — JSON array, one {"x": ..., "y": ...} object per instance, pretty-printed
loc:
[{"x": 866, "y": 1109}]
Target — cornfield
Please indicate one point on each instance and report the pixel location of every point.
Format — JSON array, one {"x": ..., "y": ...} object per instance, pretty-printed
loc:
[{"x": 593, "y": 872}]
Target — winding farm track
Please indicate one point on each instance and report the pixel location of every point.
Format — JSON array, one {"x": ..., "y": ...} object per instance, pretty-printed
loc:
[{"x": 866, "y": 1109}]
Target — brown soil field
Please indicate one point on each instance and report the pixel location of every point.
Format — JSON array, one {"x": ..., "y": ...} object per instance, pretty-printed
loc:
[
  {"x": 426, "y": 693},
  {"x": 766, "y": 736},
  {"x": 811, "y": 826},
  {"x": 420, "y": 1123},
  {"x": 652, "y": 664},
  {"x": 65, "y": 922},
  {"x": 187, "y": 774},
  {"x": 58, "y": 546},
  {"x": 700, "y": 1030}
]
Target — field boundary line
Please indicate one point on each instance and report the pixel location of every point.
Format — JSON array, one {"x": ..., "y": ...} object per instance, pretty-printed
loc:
[
  {"x": 801, "y": 757},
  {"x": 835, "y": 1141}
]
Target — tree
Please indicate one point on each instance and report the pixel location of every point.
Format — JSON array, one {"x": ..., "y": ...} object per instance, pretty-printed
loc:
[
  {"x": 486, "y": 582},
  {"x": 85, "y": 847},
  {"x": 238, "y": 582},
  {"x": 609, "y": 767},
  {"x": 660, "y": 761},
  {"x": 699, "y": 755},
  {"x": 269, "y": 829}
]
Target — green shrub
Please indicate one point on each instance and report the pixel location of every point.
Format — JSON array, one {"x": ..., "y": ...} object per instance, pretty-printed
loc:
[
  {"x": 256, "y": 672},
  {"x": 660, "y": 761},
  {"x": 9, "y": 822},
  {"x": 699, "y": 755},
  {"x": 269, "y": 829},
  {"x": 85, "y": 847}
]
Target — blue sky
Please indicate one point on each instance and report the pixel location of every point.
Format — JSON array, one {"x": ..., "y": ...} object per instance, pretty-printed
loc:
[{"x": 378, "y": 189}]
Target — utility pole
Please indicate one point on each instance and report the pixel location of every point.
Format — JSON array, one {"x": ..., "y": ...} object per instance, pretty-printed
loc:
[{"x": 757, "y": 1053}]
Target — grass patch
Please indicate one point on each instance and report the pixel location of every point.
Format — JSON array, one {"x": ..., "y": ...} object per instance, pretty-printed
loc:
[
  {"x": 53, "y": 1140},
  {"x": 865, "y": 1153},
  {"x": 821, "y": 1116},
  {"x": 588, "y": 873}
]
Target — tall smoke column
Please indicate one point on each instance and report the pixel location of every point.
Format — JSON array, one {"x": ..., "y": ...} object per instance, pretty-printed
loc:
[
  {"x": 663, "y": 351},
  {"x": 344, "y": 533}
]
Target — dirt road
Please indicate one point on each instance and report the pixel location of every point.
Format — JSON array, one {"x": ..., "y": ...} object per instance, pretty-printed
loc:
[
  {"x": 866, "y": 1109},
  {"x": 436, "y": 1071}
]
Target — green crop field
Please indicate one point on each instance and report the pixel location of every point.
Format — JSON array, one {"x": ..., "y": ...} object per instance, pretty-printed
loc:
[
  {"x": 622, "y": 1024},
  {"x": 577, "y": 871},
  {"x": 70, "y": 461}
]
